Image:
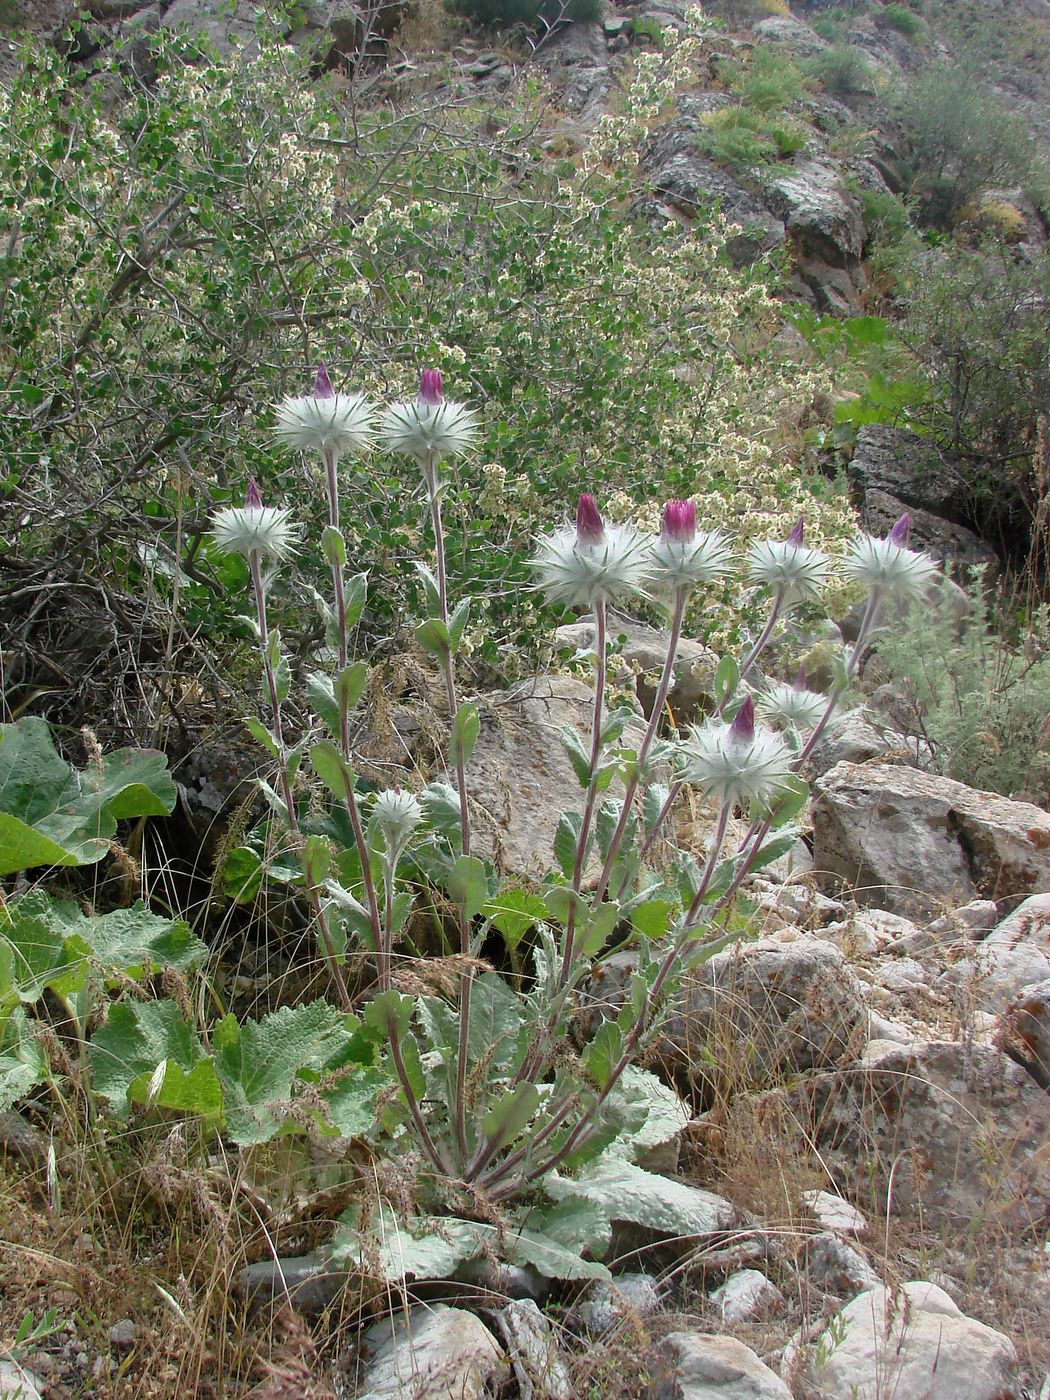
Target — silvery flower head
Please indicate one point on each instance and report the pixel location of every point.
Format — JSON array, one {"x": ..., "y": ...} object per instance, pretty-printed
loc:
[
  {"x": 793, "y": 704},
  {"x": 591, "y": 562},
  {"x": 396, "y": 815},
  {"x": 684, "y": 558},
  {"x": 325, "y": 421},
  {"x": 736, "y": 763},
  {"x": 428, "y": 427},
  {"x": 889, "y": 565},
  {"x": 254, "y": 528},
  {"x": 789, "y": 565}
]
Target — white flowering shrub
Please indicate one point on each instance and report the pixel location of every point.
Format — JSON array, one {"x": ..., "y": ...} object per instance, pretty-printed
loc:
[{"x": 170, "y": 267}]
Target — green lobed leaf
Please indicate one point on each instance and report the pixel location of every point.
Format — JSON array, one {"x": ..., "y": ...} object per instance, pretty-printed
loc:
[
  {"x": 350, "y": 684},
  {"x": 432, "y": 636},
  {"x": 136, "y": 1036},
  {"x": 355, "y": 595},
  {"x": 511, "y": 1115},
  {"x": 512, "y": 913},
  {"x": 321, "y": 695},
  {"x": 23, "y": 1064},
  {"x": 262, "y": 735},
  {"x": 467, "y": 884},
  {"x": 457, "y": 623},
  {"x": 52, "y": 814},
  {"x": 597, "y": 928},
  {"x": 332, "y": 768},
  {"x": 603, "y": 1054}
]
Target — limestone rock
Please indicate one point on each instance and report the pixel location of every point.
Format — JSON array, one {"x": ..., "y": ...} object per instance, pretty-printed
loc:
[
  {"x": 762, "y": 1009},
  {"x": 608, "y": 1301},
  {"x": 945, "y": 541},
  {"x": 433, "y": 1353},
  {"x": 915, "y": 1344},
  {"x": 746, "y": 1294},
  {"x": 855, "y": 737},
  {"x": 823, "y": 217},
  {"x": 521, "y": 776},
  {"x": 954, "y": 931},
  {"x": 1024, "y": 1031},
  {"x": 783, "y": 29},
  {"x": 962, "y": 1128},
  {"x": 16, "y": 1383},
  {"x": 910, "y": 468},
  {"x": 686, "y": 1366},
  {"x": 834, "y": 1266},
  {"x": 1015, "y": 955},
  {"x": 225, "y": 28},
  {"x": 643, "y": 650},
  {"x": 538, "y": 1367},
  {"x": 834, "y": 1213},
  {"x": 911, "y": 842}
]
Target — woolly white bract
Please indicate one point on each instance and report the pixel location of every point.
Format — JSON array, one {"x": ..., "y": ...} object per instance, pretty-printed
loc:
[
  {"x": 792, "y": 704},
  {"x": 721, "y": 764},
  {"x": 342, "y": 423},
  {"x": 396, "y": 814},
  {"x": 253, "y": 529},
  {"x": 797, "y": 568},
  {"x": 428, "y": 431},
  {"x": 577, "y": 573},
  {"x": 889, "y": 567},
  {"x": 688, "y": 563}
]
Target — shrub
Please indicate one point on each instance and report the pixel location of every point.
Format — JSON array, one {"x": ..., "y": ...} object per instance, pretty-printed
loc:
[
  {"x": 960, "y": 140},
  {"x": 769, "y": 83},
  {"x": 900, "y": 18},
  {"x": 841, "y": 70},
  {"x": 887, "y": 218},
  {"x": 981, "y": 702}
]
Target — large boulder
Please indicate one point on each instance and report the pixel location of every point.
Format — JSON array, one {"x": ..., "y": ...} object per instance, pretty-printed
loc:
[
  {"x": 948, "y": 1133},
  {"x": 913, "y": 842},
  {"x": 915, "y": 1345},
  {"x": 520, "y": 776},
  {"x": 762, "y": 1010},
  {"x": 432, "y": 1353},
  {"x": 1015, "y": 955},
  {"x": 1024, "y": 1031},
  {"x": 643, "y": 650},
  {"x": 822, "y": 216}
]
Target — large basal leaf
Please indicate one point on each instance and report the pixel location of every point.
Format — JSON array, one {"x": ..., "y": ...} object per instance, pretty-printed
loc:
[
  {"x": 22, "y": 1062},
  {"x": 258, "y": 1061},
  {"x": 34, "y": 953},
  {"x": 552, "y": 1259},
  {"x": 52, "y": 814},
  {"x": 130, "y": 941},
  {"x": 665, "y": 1118},
  {"x": 626, "y": 1192},
  {"x": 126, "y": 1053},
  {"x": 394, "y": 1250}
]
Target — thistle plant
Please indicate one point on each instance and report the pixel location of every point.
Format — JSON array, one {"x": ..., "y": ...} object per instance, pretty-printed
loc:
[{"x": 480, "y": 1079}]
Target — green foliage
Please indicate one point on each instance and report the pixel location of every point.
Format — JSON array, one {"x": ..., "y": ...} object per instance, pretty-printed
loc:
[
  {"x": 899, "y": 17},
  {"x": 51, "y": 814},
  {"x": 533, "y": 14},
  {"x": 739, "y": 137},
  {"x": 841, "y": 69},
  {"x": 769, "y": 83},
  {"x": 960, "y": 140},
  {"x": 887, "y": 218},
  {"x": 980, "y": 700},
  {"x": 976, "y": 320}
]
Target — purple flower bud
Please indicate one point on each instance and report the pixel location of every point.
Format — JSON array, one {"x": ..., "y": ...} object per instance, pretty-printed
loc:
[
  {"x": 800, "y": 679},
  {"x": 742, "y": 730},
  {"x": 589, "y": 527},
  {"x": 795, "y": 537},
  {"x": 430, "y": 388},
  {"x": 323, "y": 385},
  {"x": 679, "y": 524},
  {"x": 253, "y": 500},
  {"x": 899, "y": 534}
]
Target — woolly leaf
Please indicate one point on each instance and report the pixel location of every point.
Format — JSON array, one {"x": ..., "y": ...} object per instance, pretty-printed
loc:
[
  {"x": 22, "y": 1062},
  {"x": 626, "y": 1192},
  {"x": 124, "y": 1054}
]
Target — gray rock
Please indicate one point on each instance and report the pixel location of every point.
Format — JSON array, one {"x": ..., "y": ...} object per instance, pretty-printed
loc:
[
  {"x": 855, "y": 737},
  {"x": 503, "y": 1280},
  {"x": 909, "y": 468},
  {"x": 872, "y": 930},
  {"x": 822, "y": 216},
  {"x": 962, "y": 1129},
  {"x": 834, "y": 1213},
  {"x": 1014, "y": 956},
  {"x": 783, "y": 29},
  {"x": 123, "y": 1333},
  {"x": 686, "y": 1366},
  {"x": 953, "y": 931},
  {"x": 681, "y": 176},
  {"x": 308, "y": 1282},
  {"x": 644, "y": 649},
  {"x": 521, "y": 776},
  {"x": 609, "y": 1301},
  {"x": 21, "y": 1139},
  {"x": 911, "y": 842},
  {"x": 538, "y": 1366},
  {"x": 763, "y": 1009},
  {"x": 834, "y": 1266},
  {"x": 224, "y": 28},
  {"x": 433, "y": 1353},
  {"x": 16, "y": 1383},
  {"x": 745, "y": 1295},
  {"x": 1024, "y": 1031},
  {"x": 943, "y": 540},
  {"x": 915, "y": 1345}
]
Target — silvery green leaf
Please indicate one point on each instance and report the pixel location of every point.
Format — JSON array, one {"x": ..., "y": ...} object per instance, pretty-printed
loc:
[
  {"x": 626, "y": 1192},
  {"x": 579, "y": 757},
  {"x": 355, "y": 595},
  {"x": 665, "y": 1119}
]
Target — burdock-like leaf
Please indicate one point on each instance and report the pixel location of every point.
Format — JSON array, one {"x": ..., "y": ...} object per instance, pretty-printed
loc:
[
  {"x": 126, "y": 1052},
  {"x": 52, "y": 814},
  {"x": 22, "y": 1062}
]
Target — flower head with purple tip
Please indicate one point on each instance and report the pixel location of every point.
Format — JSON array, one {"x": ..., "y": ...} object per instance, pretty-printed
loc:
[
  {"x": 737, "y": 763},
  {"x": 684, "y": 557},
  {"x": 591, "y": 562},
  {"x": 325, "y": 421},
  {"x": 429, "y": 427},
  {"x": 889, "y": 565},
  {"x": 788, "y": 565},
  {"x": 254, "y": 528}
]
